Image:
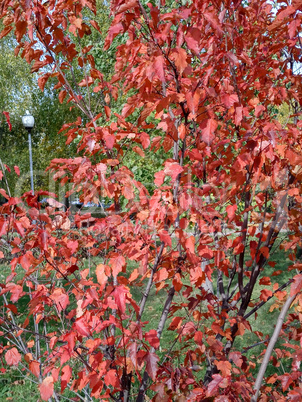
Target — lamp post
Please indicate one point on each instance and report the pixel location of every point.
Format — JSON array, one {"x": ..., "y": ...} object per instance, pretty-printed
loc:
[{"x": 28, "y": 122}]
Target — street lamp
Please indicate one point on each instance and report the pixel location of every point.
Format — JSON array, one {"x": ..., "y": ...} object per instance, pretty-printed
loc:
[{"x": 28, "y": 122}]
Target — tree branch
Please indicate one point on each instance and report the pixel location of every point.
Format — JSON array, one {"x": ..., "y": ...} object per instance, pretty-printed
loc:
[{"x": 271, "y": 345}]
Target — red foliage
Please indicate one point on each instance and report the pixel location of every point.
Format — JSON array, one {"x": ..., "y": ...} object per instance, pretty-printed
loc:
[{"x": 202, "y": 84}]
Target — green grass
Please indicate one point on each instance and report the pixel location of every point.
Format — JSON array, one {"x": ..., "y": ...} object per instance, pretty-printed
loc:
[{"x": 14, "y": 387}]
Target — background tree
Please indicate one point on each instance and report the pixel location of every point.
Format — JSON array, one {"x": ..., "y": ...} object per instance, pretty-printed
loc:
[
  {"x": 201, "y": 83},
  {"x": 19, "y": 91}
]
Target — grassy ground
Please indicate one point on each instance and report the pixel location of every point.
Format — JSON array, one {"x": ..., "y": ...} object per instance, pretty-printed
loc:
[{"x": 14, "y": 387}]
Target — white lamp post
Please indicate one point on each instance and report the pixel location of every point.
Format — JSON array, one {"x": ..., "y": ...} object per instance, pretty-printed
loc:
[{"x": 28, "y": 122}]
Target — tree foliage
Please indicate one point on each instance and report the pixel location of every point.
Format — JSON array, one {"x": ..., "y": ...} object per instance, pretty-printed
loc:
[{"x": 198, "y": 83}]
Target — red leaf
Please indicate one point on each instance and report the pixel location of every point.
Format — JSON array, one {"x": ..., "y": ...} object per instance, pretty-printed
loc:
[
  {"x": 151, "y": 366},
  {"x": 173, "y": 169},
  {"x": 159, "y": 178},
  {"x": 159, "y": 67},
  {"x": 229, "y": 100},
  {"x": 286, "y": 380},
  {"x": 60, "y": 298},
  {"x": 65, "y": 377},
  {"x": 165, "y": 237},
  {"x": 265, "y": 281},
  {"x": 34, "y": 367},
  {"x": 231, "y": 209},
  {"x": 296, "y": 286},
  {"x": 46, "y": 388},
  {"x": 117, "y": 264},
  {"x": 265, "y": 294},
  {"x": 238, "y": 115},
  {"x": 114, "y": 30},
  {"x": 96, "y": 26},
  {"x": 3, "y": 226},
  {"x": 175, "y": 323},
  {"x": 293, "y": 157},
  {"x": 190, "y": 244},
  {"x": 12, "y": 357},
  {"x": 82, "y": 327},
  {"x": 42, "y": 81},
  {"x": 62, "y": 95},
  {"x": 101, "y": 275},
  {"x": 152, "y": 338},
  {"x": 6, "y": 114},
  {"x": 111, "y": 379},
  {"x": 109, "y": 140},
  {"x": 19, "y": 227},
  {"x": 285, "y": 13},
  {"x": 292, "y": 28},
  {"x": 213, "y": 21},
  {"x": 179, "y": 56},
  {"x": 125, "y": 5},
  {"x": 17, "y": 170},
  {"x": 218, "y": 381},
  {"x": 193, "y": 38},
  {"x": 145, "y": 140},
  {"x": 120, "y": 297},
  {"x": 198, "y": 337},
  {"x": 177, "y": 282},
  {"x": 207, "y": 134},
  {"x": 224, "y": 366},
  {"x": 265, "y": 251}
]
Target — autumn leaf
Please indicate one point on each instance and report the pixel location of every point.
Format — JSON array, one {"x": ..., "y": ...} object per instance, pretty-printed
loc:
[
  {"x": 6, "y": 114},
  {"x": 165, "y": 237},
  {"x": 265, "y": 251},
  {"x": 217, "y": 382},
  {"x": 120, "y": 293},
  {"x": 286, "y": 380},
  {"x": 293, "y": 157},
  {"x": 177, "y": 282},
  {"x": 207, "y": 134},
  {"x": 111, "y": 379},
  {"x": 231, "y": 209},
  {"x": 265, "y": 281},
  {"x": 34, "y": 367},
  {"x": 17, "y": 170},
  {"x": 190, "y": 244},
  {"x": 117, "y": 264},
  {"x": 101, "y": 275},
  {"x": 152, "y": 338},
  {"x": 238, "y": 115},
  {"x": 95, "y": 25},
  {"x": 151, "y": 364},
  {"x": 229, "y": 100},
  {"x": 60, "y": 298},
  {"x": 82, "y": 327},
  {"x": 265, "y": 294},
  {"x": 224, "y": 366},
  {"x": 65, "y": 377},
  {"x": 46, "y": 388},
  {"x": 12, "y": 357},
  {"x": 179, "y": 56},
  {"x": 296, "y": 286},
  {"x": 145, "y": 140},
  {"x": 159, "y": 67},
  {"x": 173, "y": 169}
]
